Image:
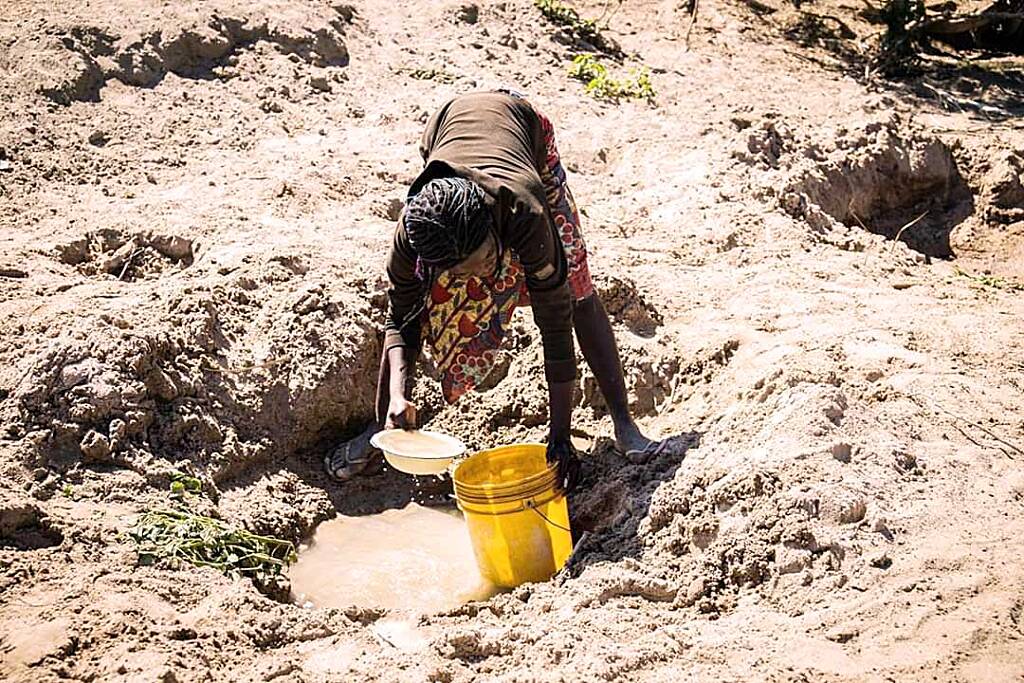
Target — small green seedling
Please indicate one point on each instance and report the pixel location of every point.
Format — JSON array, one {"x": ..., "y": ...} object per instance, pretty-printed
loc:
[
  {"x": 184, "y": 483},
  {"x": 643, "y": 89},
  {"x": 561, "y": 14},
  {"x": 991, "y": 281},
  {"x": 601, "y": 85}
]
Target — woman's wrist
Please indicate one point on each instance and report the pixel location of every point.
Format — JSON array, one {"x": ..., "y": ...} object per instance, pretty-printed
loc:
[
  {"x": 560, "y": 410},
  {"x": 558, "y": 436},
  {"x": 398, "y": 357},
  {"x": 559, "y": 430}
]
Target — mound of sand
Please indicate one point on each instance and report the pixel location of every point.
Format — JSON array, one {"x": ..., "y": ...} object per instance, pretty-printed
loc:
[{"x": 195, "y": 203}]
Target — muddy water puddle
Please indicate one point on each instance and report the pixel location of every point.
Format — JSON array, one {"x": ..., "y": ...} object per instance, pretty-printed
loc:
[{"x": 416, "y": 559}]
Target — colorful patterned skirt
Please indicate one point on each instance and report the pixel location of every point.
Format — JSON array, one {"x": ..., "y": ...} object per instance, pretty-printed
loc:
[{"x": 465, "y": 318}]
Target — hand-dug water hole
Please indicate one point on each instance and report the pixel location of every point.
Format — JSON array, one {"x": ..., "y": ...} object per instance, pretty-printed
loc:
[{"x": 415, "y": 559}]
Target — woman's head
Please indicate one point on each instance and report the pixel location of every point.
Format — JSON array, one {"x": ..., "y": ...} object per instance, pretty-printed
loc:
[{"x": 447, "y": 223}]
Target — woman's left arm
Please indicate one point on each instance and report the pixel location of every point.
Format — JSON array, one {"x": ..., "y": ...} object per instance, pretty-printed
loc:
[
  {"x": 560, "y": 410},
  {"x": 552, "y": 311},
  {"x": 560, "y": 393}
]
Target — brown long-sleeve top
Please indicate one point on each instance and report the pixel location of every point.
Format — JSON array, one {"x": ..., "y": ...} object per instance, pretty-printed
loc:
[{"x": 496, "y": 141}]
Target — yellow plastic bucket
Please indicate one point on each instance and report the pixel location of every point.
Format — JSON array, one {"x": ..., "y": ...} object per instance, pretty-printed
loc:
[{"x": 517, "y": 518}]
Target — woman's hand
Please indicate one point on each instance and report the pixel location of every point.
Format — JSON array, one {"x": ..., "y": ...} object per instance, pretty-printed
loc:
[
  {"x": 562, "y": 453},
  {"x": 560, "y": 449},
  {"x": 401, "y": 414}
]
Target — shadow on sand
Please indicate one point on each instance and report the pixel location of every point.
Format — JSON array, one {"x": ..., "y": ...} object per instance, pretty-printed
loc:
[{"x": 613, "y": 496}]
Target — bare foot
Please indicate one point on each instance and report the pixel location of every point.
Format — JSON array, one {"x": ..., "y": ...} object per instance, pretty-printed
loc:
[
  {"x": 353, "y": 457},
  {"x": 631, "y": 442}
]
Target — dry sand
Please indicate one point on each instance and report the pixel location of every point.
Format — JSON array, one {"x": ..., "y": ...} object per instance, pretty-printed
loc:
[{"x": 195, "y": 202}]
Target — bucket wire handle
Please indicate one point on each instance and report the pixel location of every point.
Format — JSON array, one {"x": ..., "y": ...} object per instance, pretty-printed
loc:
[{"x": 531, "y": 505}]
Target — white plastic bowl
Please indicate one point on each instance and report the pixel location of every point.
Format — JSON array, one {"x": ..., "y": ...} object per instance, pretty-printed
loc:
[{"x": 418, "y": 451}]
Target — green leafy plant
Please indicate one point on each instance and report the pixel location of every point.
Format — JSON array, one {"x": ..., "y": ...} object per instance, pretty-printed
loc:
[
  {"x": 642, "y": 87},
  {"x": 561, "y": 14},
  {"x": 603, "y": 86},
  {"x": 170, "y": 537}
]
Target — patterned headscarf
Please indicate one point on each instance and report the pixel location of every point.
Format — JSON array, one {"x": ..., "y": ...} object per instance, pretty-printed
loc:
[{"x": 446, "y": 221}]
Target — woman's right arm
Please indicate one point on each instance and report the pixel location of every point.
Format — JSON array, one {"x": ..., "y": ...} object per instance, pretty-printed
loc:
[
  {"x": 402, "y": 336},
  {"x": 399, "y": 413}
]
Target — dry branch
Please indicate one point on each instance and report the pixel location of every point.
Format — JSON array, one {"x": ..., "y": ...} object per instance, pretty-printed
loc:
[
  {"x": 899, "y": 233},
  {"x": 925, "y": 403},
  {"x": 693, "y": 20}
]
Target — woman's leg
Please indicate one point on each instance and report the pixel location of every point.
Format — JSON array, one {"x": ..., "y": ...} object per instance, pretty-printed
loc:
[
  {"x": 593, "y": 329},
  {"x": 597, "y": 343}
]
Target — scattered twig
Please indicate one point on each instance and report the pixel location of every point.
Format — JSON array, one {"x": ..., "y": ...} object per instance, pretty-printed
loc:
[
  {"x": 964, "y": 23},
  {"x": 273, "y": 362},
  {"x": 973, "y": 440},
  {"x": 960, "y": 102},
  {"x": 605, "y": 16},
  {"x": 924, "y": 403},
  {"x": 987, "y": 129},
  {"x": 32, "y": 604},
  {"x": 856, "y": 217},
  {"x": 128, "y": 262},
  {"x": 867, "y": 253},
  {"x": 693, "y": 20},
  {"x": 944, "y": 97},
  {"x": 899, "y": 233}
]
